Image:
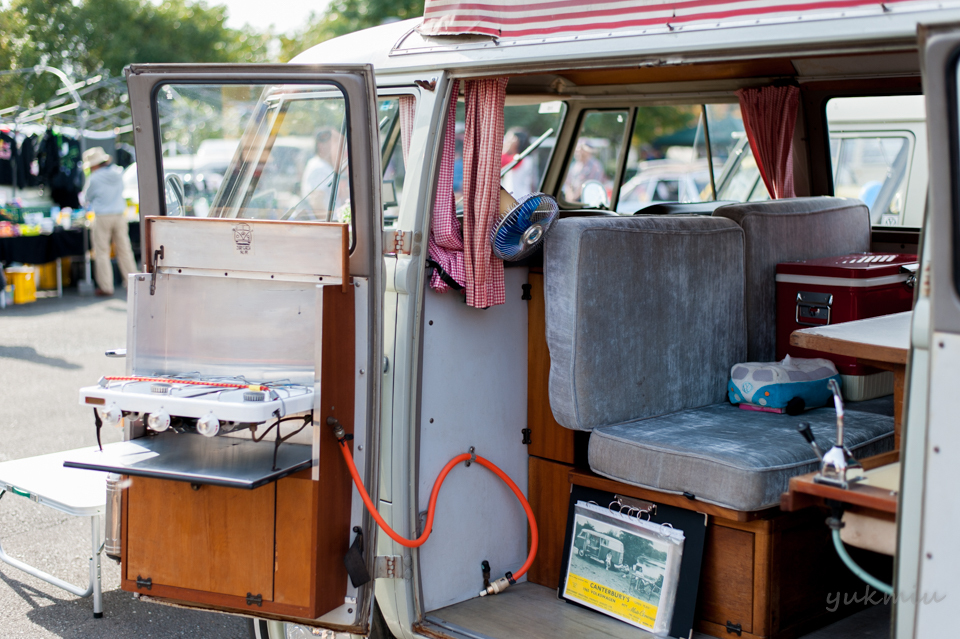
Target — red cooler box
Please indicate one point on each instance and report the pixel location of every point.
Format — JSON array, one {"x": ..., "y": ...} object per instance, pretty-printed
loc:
[{"x": 832, "y": 290}]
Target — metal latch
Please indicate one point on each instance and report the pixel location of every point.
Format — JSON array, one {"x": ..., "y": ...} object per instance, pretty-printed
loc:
[
  {"x": 157, "y": 257},
  {"x": 392, "y": 567},
  {"x": 526, "y": 436},
  {"x": 254, "y": 599},
  {"x": 813, "y": 306},
  {"x": 734, "y": 628},
  {"x": 144, "y": 583},
  {"x": 397, "y": 242}
]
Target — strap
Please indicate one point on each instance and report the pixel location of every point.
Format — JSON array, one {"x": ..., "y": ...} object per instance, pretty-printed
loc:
[{"x": 446, "y": 277}]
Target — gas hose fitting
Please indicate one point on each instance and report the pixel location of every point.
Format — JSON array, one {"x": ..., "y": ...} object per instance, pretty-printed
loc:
[
  {"x": 496, "y": 587},
  {"x": 338, "y": 431}
]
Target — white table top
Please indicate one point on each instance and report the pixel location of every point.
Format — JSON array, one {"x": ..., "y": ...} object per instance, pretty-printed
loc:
[
  {"x": 879, "y": 335},
  {"x": 46, "y": 481}
]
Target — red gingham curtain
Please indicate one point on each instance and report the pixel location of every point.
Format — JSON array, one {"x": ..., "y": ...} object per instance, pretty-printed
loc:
[
  {"x": 468, "y": 257},
  {"x": 446, "y": 242},
  {"x": 482, "y": 146},
  {"x": 769, "y": 117},
  {"x": 408, "y": 111}
]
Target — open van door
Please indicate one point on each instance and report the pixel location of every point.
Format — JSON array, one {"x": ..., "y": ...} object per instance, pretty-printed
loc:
[
  {"x": 261, "y": 232},
  {"x": 928, "y": 562}
]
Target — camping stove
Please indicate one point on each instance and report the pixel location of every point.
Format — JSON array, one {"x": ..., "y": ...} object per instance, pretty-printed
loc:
[{"x": 209, "y": 400}]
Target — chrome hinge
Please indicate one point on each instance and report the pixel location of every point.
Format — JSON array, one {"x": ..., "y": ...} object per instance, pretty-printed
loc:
[
  {"x": 398, "y": 242},
  {"x": 393, "y": 567}
]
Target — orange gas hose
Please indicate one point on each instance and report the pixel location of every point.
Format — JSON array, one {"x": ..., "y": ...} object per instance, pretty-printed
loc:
[{"x": 428, "y": 527}]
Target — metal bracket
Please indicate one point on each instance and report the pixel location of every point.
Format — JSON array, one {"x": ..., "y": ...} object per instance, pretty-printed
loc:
[
  {"x": 813, "y": 306},
  {"x": 734, "y": 628},
  {"x": 157, "y": 256},
  {"x": 393, "y": 567},
  {"x": 397, "y": 242},
  {"x": 254, "y": 599},
  {"x": 473, "y": 457},
  {"x": 526, "y": 436},
  {"x": 144, "y": 583},
  {"x": 637, "y": 504},
  {"x": 526, "y": 292}
]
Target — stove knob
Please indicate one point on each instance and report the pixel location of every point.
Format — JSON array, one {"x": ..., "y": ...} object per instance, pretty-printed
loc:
[
  {"x": 158, "y": 422},
  {"x": 208, "y": 425},
  {"x": 111, "y": 415}
]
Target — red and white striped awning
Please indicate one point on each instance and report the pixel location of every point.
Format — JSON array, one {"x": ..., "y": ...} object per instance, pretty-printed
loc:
[{"x": 531, "y": 18}]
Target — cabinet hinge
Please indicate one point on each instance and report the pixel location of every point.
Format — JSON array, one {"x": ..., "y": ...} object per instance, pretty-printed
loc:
[
  {"x": 254, "y": 599},
  {"x": 734, "y": 628},
  {"x": 526, "y": 436},
  {"x": 144, "y": 583},
  {"x": 398, "y": 242},
  {"x": 393, "y": 567}
]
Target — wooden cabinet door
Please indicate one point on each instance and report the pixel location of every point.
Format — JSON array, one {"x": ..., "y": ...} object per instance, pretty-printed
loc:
[{"x": 213, "y": 539}]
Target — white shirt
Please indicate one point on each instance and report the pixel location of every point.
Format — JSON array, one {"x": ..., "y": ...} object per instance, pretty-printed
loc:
[{"x": 317, "y": 175}]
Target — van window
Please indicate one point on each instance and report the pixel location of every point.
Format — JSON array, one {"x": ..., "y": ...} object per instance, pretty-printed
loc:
[
  {"x": 876, "y": 155},
  {"x": 391, "y": 158},
  {"x": 524, "y": 126},
  {"x": 287, "y": 144},
  {"x": 592, "y": 168},
  {"x": 668, "y": 159}
]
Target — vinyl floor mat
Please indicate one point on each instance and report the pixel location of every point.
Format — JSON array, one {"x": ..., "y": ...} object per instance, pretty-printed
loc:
[{"x": 534, "y": 612}]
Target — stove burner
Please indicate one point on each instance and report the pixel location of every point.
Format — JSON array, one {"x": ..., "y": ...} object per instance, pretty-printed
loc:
[
  {"x": 253, "y": 396},
  {"x": 161, "y": 388}
]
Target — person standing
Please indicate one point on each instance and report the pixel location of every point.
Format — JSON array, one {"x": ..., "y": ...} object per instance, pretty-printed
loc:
[
  {"x": 104, "y": 196},
  {"x": 325, "y": 174}
]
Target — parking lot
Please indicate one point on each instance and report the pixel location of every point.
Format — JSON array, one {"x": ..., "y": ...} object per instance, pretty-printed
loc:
[{"x": 48, "y": 350}]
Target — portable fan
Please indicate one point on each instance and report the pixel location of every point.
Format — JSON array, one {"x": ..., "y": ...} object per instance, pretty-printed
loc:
[{"x": 523, "y": 225}]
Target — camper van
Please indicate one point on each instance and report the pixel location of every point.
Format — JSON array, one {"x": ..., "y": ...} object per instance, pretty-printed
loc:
[{"x": 434, "y": 414}]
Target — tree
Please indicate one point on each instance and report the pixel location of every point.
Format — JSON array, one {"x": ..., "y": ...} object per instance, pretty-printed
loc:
[
  {"x": 346, "y": 16},
  {"x": 87, "y": 37}
]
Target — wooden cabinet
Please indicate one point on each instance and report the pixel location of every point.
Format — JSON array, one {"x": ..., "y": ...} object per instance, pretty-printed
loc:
[
  {"x": 548, "y": 439},
  {"x": 274, "y": 550}
]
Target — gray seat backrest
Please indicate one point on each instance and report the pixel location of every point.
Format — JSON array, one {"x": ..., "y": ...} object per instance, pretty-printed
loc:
[
  {"x": 644, "y": 315},
  {"x": 787, "y": 231}
]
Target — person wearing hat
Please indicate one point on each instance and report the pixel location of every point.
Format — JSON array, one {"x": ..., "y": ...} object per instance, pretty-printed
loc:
[{"x": 103, "y": 194}]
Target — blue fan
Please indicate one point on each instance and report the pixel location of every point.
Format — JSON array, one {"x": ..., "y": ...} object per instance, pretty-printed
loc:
[{"x": 523, "y": 225}]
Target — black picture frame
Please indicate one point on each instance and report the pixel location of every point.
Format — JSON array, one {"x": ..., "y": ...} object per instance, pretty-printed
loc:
[{"x": 694, "y": 527}]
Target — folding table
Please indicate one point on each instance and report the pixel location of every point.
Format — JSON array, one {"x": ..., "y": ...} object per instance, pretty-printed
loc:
[{"x": 81, "y": 493}]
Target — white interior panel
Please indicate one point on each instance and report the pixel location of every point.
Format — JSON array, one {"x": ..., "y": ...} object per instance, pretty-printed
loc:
[{"x": 474, "y": 394}]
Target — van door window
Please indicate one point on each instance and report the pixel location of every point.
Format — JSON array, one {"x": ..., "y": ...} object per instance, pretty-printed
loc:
[
  {"x": 878, "y": 155},
  {"x": 592, "y": 169},
  {"x": 391, "y": 156},
  {"x": 286, "y": 147}
]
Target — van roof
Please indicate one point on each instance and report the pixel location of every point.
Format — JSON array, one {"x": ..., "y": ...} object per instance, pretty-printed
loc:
[{"x": 399, "y": 48}]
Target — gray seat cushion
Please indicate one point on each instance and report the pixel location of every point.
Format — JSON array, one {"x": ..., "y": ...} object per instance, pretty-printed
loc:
[
  {"x": 644, "y": 315},
  {"x": 786, "y": 231},
  {"x": 726, "y": 456}
]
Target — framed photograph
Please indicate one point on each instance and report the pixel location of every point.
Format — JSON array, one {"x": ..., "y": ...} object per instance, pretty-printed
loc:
[{"x": 624, "y": 566}]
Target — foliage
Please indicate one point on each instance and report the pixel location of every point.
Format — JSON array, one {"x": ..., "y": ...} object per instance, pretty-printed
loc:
[
  {"x": 346, "y": 16},
  {"x": 88, "y": 37},
  {"x": 635, "y": 546}
]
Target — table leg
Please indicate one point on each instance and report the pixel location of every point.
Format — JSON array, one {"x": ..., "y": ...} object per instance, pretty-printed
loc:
[{"x": 95, "y": 581}]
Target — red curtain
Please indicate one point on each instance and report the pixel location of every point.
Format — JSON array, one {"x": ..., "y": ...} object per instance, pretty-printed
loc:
[
  {"x": 468, "y": 257},
  {"x": 482, "y": 147},
  {"x": 446, "y": 241},
  {"x": 769, "y": 117}
]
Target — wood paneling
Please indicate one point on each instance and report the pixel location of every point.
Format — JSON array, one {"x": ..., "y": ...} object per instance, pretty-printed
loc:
[
  {"x": 586, "y": 478},
  {"x": 296, "y": 528},
  {"x": 549, "y": 495},
  {"x": 727, "y": 577},
  {"x": 548, "y": 439},
  {"x": 214, "y": 539},
  {"x": 336, "y": 400},
  {"x": 733, "y": 69}
]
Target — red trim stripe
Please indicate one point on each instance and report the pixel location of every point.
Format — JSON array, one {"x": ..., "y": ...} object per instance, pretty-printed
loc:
[{"x": 447, "y": 24}]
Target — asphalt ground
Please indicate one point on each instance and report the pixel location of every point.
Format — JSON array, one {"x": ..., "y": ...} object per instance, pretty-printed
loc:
[{"x": 48, "y": 350}]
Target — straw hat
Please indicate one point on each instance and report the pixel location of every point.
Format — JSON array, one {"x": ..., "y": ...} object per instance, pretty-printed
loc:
[{"x": 95, "y": 157}]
